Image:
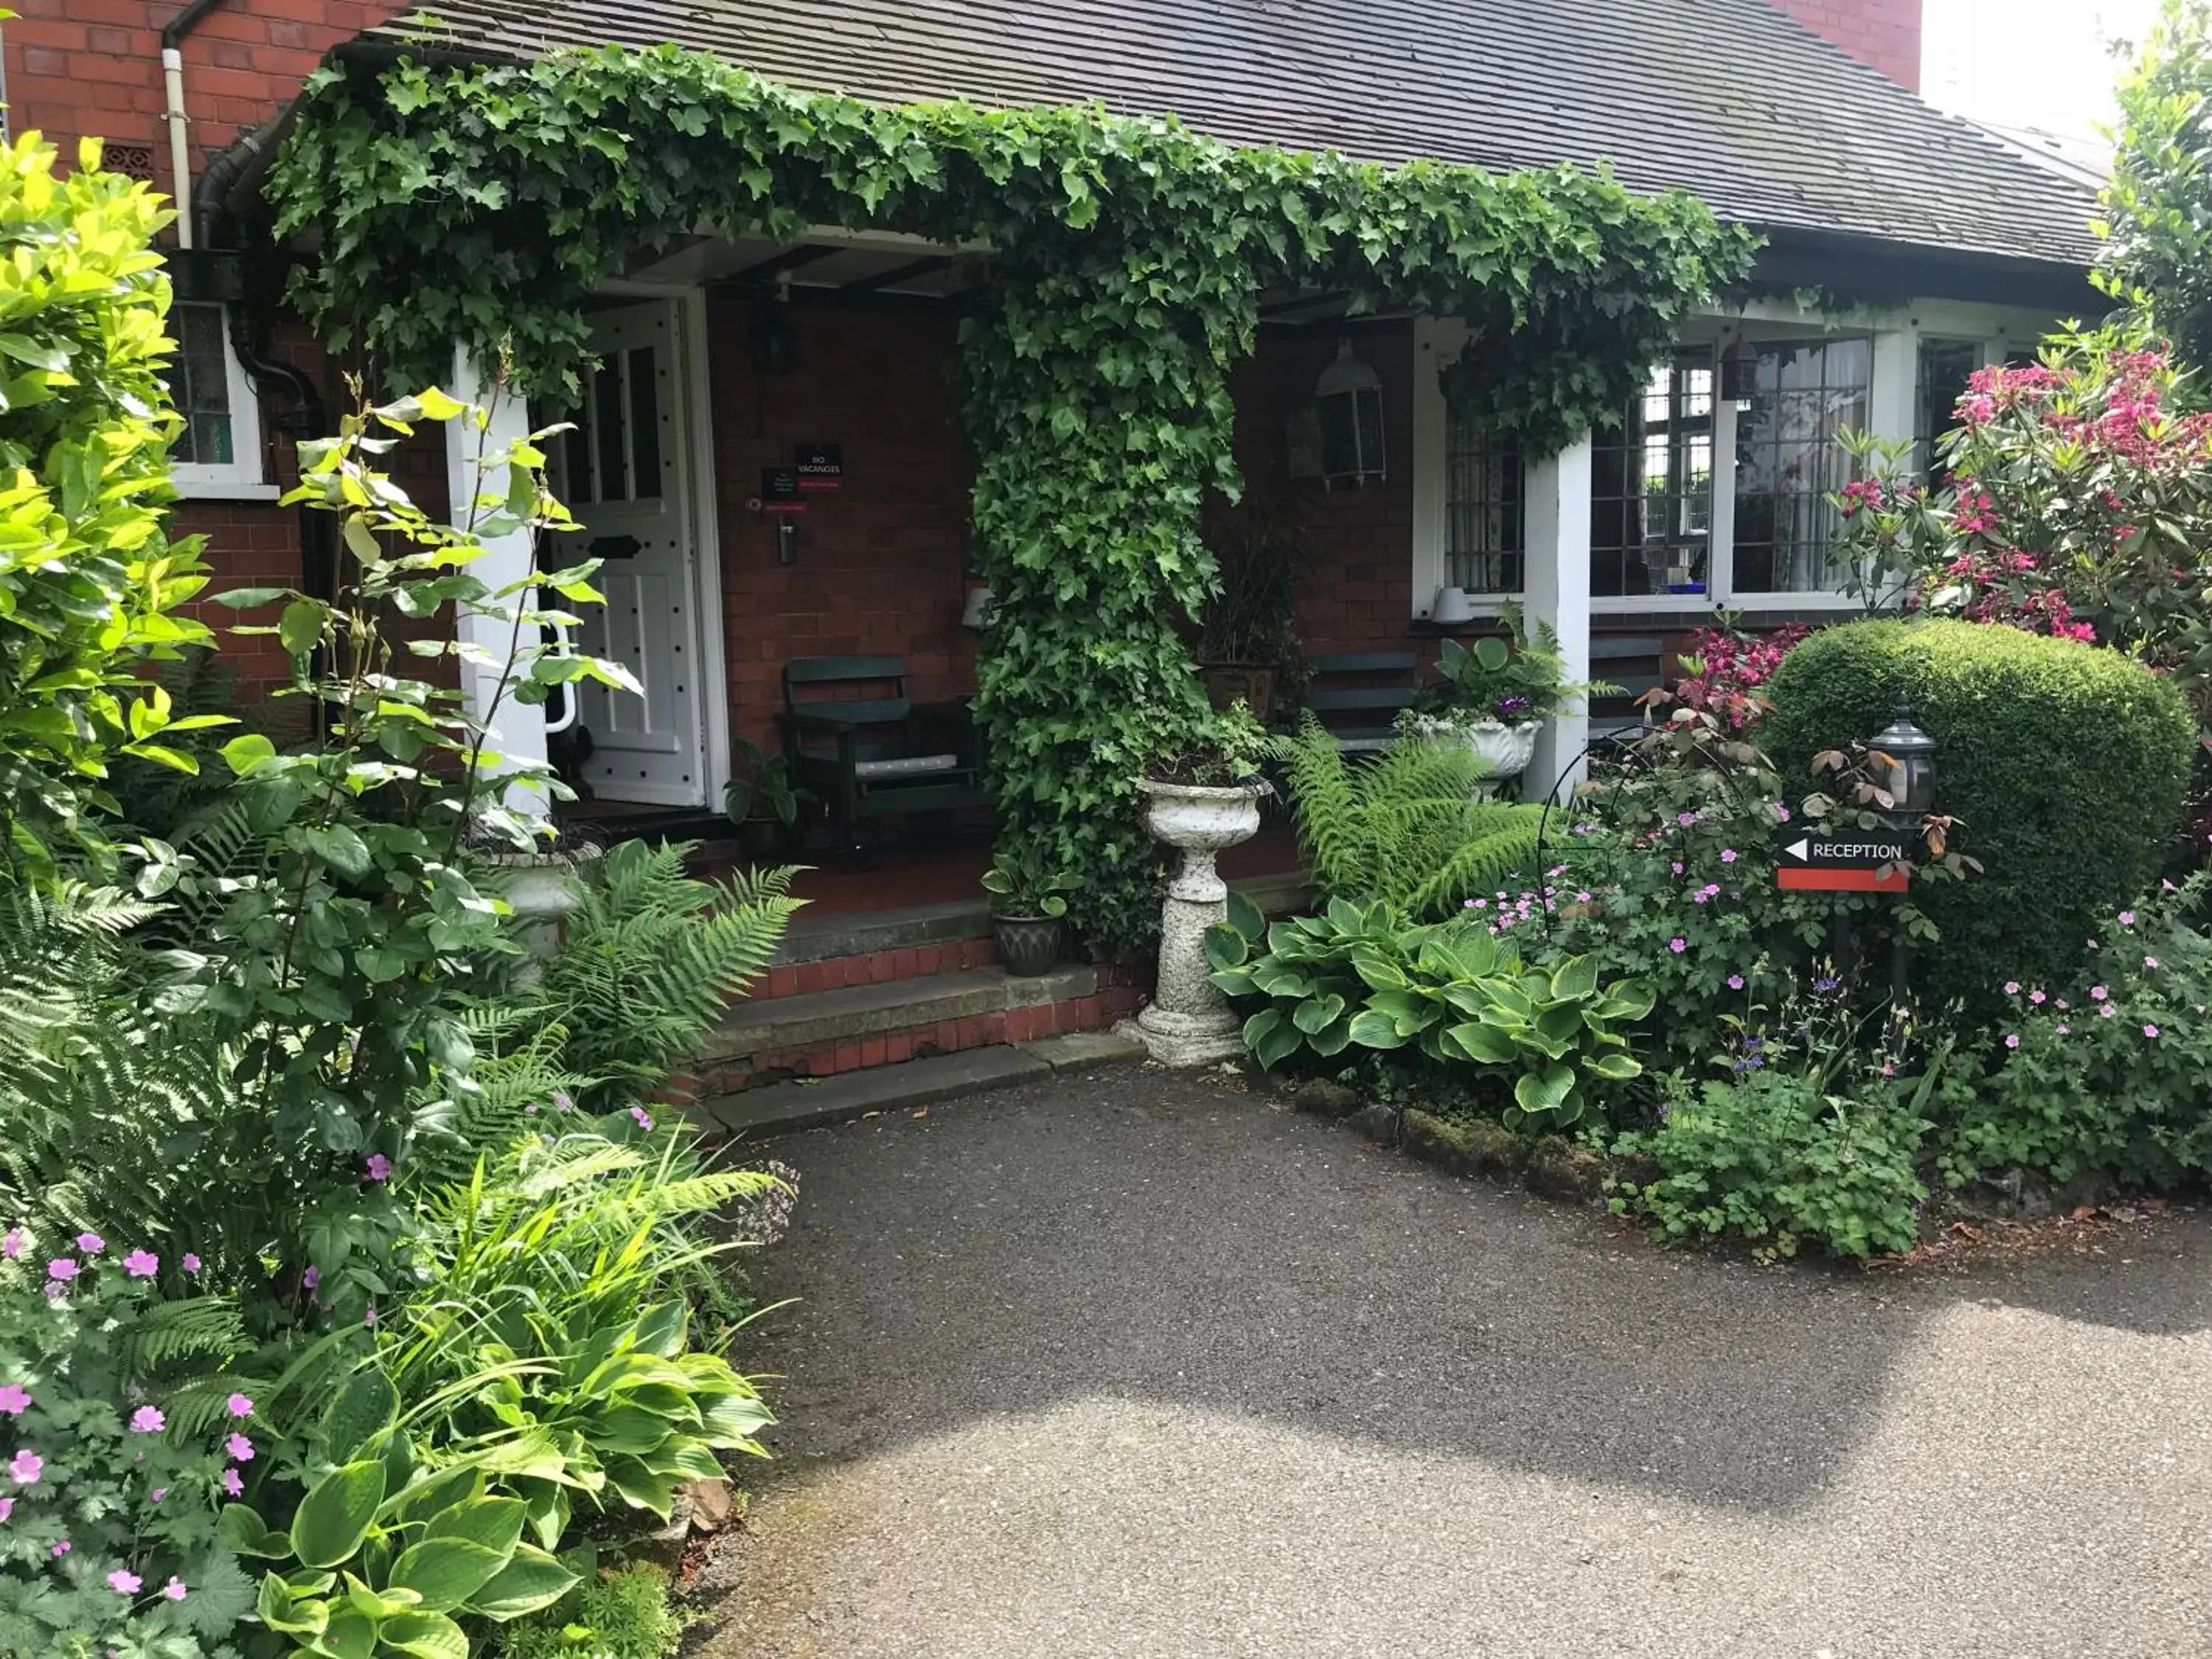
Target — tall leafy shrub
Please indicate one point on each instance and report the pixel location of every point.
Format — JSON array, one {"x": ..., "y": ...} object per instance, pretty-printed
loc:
[
  {"x": 2158, "y": 205},
  {"x": 2067, "y": 762},
  {"x": 90, "y": 582}
]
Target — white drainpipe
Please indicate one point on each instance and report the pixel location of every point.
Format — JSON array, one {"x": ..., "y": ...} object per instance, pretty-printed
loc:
[{"x": 181, "y": 166}]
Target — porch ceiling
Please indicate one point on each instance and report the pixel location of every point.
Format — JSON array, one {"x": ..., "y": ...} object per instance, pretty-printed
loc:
[{"x": 830, "y": 262}]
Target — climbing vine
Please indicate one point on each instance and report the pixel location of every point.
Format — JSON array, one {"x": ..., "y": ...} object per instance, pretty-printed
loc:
[{"x": 484, "y": 204}]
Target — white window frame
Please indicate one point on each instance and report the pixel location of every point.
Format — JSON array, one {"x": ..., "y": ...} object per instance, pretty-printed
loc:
[
  {"x": 242, "y": 479},
  {"x": 1892, "y": 410}
]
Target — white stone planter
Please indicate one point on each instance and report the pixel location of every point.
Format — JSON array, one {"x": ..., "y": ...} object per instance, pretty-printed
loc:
[
  {"x": 1188, "y": 1022},
  {"x": 540, "y": 888},
  {"x": 1507, "y": 750}
]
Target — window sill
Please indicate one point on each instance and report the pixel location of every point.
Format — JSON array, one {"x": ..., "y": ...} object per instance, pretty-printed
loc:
[{"x": 221, "y": 489}]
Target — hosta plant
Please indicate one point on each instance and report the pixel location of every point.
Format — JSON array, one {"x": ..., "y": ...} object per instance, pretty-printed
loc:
[{"x": 1459, "y": 995}]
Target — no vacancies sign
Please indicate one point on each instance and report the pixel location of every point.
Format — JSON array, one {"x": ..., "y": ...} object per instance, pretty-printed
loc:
[{"x": 1862, "y": 861}]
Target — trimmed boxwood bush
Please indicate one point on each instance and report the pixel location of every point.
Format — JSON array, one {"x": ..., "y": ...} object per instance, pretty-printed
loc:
[{"x": 2068, "y": 764}]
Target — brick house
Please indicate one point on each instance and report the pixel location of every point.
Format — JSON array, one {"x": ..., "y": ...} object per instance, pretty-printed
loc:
[{"x": 1932, "y": 249}]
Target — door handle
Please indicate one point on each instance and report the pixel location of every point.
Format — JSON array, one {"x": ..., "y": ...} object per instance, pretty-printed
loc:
[{"x": 615, "y": 547}]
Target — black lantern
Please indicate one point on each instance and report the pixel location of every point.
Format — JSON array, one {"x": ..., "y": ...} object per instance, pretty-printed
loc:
[
  {"x": 1910, "y": 755},
  {"x": 1740, "y": 373}
]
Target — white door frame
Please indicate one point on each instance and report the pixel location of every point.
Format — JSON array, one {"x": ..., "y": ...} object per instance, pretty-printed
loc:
[{"x": 705, "y": 563}]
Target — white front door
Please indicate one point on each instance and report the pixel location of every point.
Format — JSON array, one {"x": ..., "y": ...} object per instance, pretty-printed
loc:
[{"x": 620, "y": 472}]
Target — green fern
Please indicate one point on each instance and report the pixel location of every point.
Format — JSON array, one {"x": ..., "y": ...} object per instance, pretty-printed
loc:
[
  {"x": 651, "y": 958},
  {"x": 1402, "y": 827}
]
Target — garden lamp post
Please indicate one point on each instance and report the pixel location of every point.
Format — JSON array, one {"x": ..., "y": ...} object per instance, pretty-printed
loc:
[{"x": 1910, "y": 754}]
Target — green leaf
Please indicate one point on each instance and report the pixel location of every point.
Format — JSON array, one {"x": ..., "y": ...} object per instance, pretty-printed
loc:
[
  {"x": 447, "y": 1571},
  {"x": 276, "y": 1607},
  {"x": 424, "y": 1636},
  {"x": 339, "y": 846},
  {"x": 1372, "y": 1028},
  {"x": 494, "y": 1523},
  {"x": 1575, "y": 979},
  {"x": 349, "y": 1634},
  {"x": 1545, "y": 1091},
  {"x": 1612, "y": 1066},
  {"x": 379, "y": 1604},
  {"x": 243, "y": 1532},
  {"x": 366, "y": 1406},
  {"x": 300, "y": 626},
  {"x": 334, "y": 1518},
  {"x": 533, "y": 1580}
]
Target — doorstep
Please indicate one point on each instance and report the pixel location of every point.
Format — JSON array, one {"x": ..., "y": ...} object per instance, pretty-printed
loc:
[{"x": 786, "y": 1108}]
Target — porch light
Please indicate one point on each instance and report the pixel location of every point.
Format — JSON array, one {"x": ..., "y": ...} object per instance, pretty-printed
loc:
[
  {"x": 1911, "y": 754},
  {"x": 1348, "y": 399},
  {"x": 1740, "y": 373}
]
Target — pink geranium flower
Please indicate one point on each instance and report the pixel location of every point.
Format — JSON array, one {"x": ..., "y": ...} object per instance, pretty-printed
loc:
[
  {"x": 2012, "y": 1040},
  {"x": 238, "y": 1405},
  {"x": 147, "y": 1420},
  {"x": 142, "y": 1264},
  {"x": 232, "y": 1485},
  {"x": 378, "y": 1167},
  {"x": 239, "y": 1448},
  {"x": 174, "y": 1589},
  {"x": 192, "y": 1262},
  {"x": 122, "y": 1583},
  {"x": 25, "y": 1467},
  {"x": 91, "y": 1244},
  {"x": 61, "y": 1269},
  {"x": 14, "y": 1400},
  {"x": 1677, "y": 945}
]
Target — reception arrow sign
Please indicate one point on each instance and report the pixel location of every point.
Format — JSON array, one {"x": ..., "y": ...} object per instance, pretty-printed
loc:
[{"x": 1861, "y": 861}]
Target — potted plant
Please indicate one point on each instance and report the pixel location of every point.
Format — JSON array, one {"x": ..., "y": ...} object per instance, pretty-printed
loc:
[
  {"x": 1026, "y": 907},
  {"x": 1498, "y": 693},
  {"x": 1201, "y": 794},
  {"x": 762, "y": 803}
]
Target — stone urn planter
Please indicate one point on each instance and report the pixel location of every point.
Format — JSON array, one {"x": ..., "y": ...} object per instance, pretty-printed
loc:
[
  {"x": 1506, "y": 749},
  {"x": 1189, "y": 1023}
]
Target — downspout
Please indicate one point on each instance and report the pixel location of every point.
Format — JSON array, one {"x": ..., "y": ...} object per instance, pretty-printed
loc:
[{"x": 172, "y": 81}]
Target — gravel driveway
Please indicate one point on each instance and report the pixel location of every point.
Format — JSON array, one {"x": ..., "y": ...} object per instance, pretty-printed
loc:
[{"x": 1130, "y": 1365}]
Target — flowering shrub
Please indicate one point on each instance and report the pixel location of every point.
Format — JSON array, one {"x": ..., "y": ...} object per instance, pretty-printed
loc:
[
  {"x": 2079, "y": 505},
  {"x": 2110, "y": 1073},
  {"x": 1722, "y": 673},
  {"x": 113, "y": 1466}
]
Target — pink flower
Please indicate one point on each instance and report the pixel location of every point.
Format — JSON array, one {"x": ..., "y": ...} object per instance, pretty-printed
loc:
[
  {"x": 369, "y": 1318},
  {"x": 157, "y": 1494},
  {"x": 2063, "y": 1027},
  {"x": 2059, "y": 1003},
  {"x": 7, "y": 1507},
  {"x": 2012, "y": 987},
  {"x": 378, "y": 1167},
  {"x": 147, "y": 1420},
  {"x": 142, "y": 1264},
  {"x": 62, "y": 1269},
  {"x": 2150, "y": 962},
  {"x": 192, "y": 1262},
  {"x": 60, "y": 1549},
  {"x": 13, "y": 1399},
  {"x": 1686, "y": 819},
  {"x": 311, "y": 1278},
  {"x": 1678, "y": 866},
  {"x": 25, "y": 1467},
  {"x": 2036, "y": 996},
  {"x": 238, "y": 1405},
  {"x": 12, "y": 1245},
  {"x": 174, "y": 1589},
  {"x": 645, "y": 1120},
  {"x": 2108, "y": 1010},
  {"x": 1735, "y": 981},
  {"x": 122, "y": 1583},
  {"x": 1677, "y": 945},
  {"x": 232, "y": 1485},
  {"x": 2127, "y": 918},
  {"x": 2012, "y": 1040},
  {"x": 2098, "y": 992},
  {"x": 91, "y": 1244},
  {"x": 239, "y": 1448},
  {"x": 2150, "y": 1031},
  {"x": 1727, "y": 855}
]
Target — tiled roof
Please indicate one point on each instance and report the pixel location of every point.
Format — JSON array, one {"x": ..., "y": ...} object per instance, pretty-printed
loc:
[{"x": 1729, "y": 99}]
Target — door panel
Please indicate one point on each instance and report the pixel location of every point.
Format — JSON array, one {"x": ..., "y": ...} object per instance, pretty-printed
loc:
[{"x": 620, "y": 472}]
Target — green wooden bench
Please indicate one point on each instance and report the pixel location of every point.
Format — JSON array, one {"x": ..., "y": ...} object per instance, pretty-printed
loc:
[{"x": 868, "y": 751}]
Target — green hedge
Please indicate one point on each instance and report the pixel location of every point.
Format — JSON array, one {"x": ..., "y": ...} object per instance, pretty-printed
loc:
[{"x": 2068, "y": 764}]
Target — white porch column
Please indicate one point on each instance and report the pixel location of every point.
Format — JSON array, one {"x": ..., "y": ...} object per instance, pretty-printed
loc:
[
  {"x": 1893, "y": 401},
  {"x": 1558, "y": 592},
  {"x": 518, "y": 729}
]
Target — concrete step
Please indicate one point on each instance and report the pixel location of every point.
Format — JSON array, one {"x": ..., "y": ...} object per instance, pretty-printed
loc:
[
  {"x": 783, "y": 1107},
  {"x": 780, "y": 1025}
]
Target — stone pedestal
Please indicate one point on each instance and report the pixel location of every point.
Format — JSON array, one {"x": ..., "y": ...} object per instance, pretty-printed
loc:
[{"x": 1189, "y": 1023}]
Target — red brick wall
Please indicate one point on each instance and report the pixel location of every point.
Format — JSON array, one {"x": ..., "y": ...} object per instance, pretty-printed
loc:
[
  {"x": 879, "y": 560},
  {"x": 1355, "y": 592},
  {"x": 1883, "y": 32},
  {"x": 93, "y": 67}
]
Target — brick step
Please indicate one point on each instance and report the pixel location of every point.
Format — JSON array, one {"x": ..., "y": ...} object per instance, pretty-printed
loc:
[
  {"x": 822, "y": 1033},
  {"x": 833, "y": 952},
  {"x": 783, "y": 1107}
]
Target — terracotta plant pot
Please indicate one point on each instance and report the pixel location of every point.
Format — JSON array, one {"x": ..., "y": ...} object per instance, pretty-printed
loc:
[{"x": 1028, "y": 946}]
